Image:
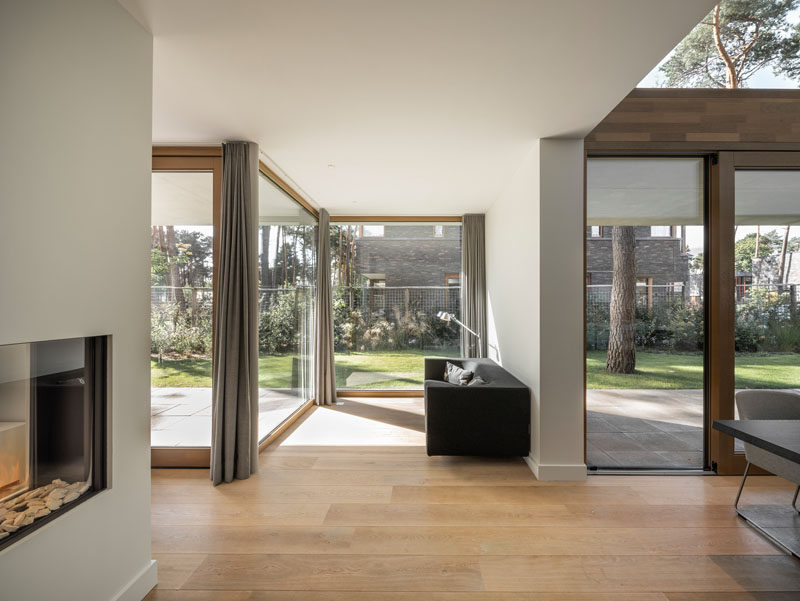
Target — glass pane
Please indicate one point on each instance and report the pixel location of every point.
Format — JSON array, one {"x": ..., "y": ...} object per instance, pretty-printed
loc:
[
  {"x": 767, "y": 267},
  {"x": 387, "y": 291},
  {"x": 644, "y": 313},
  {"x": 287, "y": 291},
  {"x": 51, "y": 394},
  {"x": 181, "y": 308}
]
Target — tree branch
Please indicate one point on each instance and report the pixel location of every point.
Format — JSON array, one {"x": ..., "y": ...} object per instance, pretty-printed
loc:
[
  {"x": 732, "y": 82},
  {"x": 713, "y": 79}
]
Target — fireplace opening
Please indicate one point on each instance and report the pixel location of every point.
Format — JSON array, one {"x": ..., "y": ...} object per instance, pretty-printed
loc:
[{"x": 53, "y": 430}]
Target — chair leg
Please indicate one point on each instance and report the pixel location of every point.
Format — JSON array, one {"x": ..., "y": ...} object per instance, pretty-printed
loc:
[
  {"x": 741, "y": 486},
  {"x": 794, "y": 501}
]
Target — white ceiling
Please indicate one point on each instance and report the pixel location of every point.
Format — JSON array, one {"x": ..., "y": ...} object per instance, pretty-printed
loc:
[{"x": 422, "y": 106}]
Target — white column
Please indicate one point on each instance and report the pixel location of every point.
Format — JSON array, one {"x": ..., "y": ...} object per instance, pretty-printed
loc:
[{"x": 534, "y": 254}]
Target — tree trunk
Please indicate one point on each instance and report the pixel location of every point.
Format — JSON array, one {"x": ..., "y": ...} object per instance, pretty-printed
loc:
[
  {"x": 285, "y": 266},
  {"x": 730, "y": 66},
  {"x": 758, "y": 241},
  {"x": 782, "y": 264},
  {"x": 173, "y": 277},
  {"x": 274, "y": 279},
  {"x": 294, "y": 257},
  {"x": 266, "y": 231},
  {"x": 621, "y": 357}
]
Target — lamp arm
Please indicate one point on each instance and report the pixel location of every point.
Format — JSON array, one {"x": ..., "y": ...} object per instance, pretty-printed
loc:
[{"x": 473, "y": 332}]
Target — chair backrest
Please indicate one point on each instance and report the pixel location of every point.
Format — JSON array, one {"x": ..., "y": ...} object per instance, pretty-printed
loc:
[{"x": 768, "y": 404}]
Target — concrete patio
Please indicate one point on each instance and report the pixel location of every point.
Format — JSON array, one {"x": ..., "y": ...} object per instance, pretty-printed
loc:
[
  {"x": 657, "y": 429},
  {"x": 181, "y": 417}
]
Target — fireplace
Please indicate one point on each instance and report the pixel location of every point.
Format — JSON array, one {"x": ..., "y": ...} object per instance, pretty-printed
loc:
[{"x": 53, "y": 430}]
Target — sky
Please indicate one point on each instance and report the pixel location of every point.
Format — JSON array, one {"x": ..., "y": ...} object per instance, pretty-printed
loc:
[{"x": 762, "y": 79}]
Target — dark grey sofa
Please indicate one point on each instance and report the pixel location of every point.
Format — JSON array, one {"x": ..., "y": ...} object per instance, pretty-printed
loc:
[{"x": 489, "y": 420}]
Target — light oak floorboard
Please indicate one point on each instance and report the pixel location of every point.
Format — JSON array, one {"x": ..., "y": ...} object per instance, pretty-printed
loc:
[
  {"x": 234, "y": 513},
  {"x": 168, "y": 595},
  {"x": 443, "y": 540},
  {"x": 243, "y": 492},
  {"x": 364, "y": 521},
  {"x": 326, "y": 572},
  {"x": 525, "y": 495},
  {"x": 640, "y": 573}
]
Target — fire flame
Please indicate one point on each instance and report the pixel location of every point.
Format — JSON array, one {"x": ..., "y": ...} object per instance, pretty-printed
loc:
[{"x": 10, "y": 470}]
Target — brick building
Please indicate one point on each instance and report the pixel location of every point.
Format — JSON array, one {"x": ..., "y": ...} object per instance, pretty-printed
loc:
[
  {"x": 662, "y": 263},
  {"x": 408, "y": 268},
  {"x": 409, "y": 255}
]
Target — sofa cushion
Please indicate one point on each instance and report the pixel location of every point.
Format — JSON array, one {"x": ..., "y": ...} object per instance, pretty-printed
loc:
[
  {"x": 477, "y": 381},
  {"x": 457, "y": 375}
]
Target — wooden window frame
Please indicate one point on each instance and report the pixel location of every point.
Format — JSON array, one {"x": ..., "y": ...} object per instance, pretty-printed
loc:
[
  {"x": 720, "y": 280},
  {"x": 724, "y": 459},
  {"x": 209, "y": 159},
  {"x": 205, "y": 160},
  {"x": 658, "y": 153}
]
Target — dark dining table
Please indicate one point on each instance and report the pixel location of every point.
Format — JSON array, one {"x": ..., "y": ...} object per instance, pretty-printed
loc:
[{"x": 779, "y": 523}]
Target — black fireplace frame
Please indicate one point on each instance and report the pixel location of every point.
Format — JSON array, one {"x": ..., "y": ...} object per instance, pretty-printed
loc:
[{"x": 98, "y": 390}]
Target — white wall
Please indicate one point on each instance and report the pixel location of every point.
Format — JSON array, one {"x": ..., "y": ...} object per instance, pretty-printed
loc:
[
  {"x": 75, "y": 117},
  {"x": 534, "y": 270}
]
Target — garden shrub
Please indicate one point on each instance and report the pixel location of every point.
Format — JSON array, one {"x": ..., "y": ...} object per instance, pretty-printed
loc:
[
  {"x": 687, "y": 327},
  {"x": 173, "y": 333},
  {"x": 277, "y": 325}
]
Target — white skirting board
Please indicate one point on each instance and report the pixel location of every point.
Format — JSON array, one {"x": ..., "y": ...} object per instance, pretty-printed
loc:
[
  {"x": 142, "y": 583},
  {"x": 556, "y": 473}
]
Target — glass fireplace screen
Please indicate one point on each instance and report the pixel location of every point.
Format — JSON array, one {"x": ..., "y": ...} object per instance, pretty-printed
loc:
[{"x": 52, "y": 429}]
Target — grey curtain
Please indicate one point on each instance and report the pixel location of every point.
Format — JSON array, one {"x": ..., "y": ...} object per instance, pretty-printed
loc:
[
  {"x": 473, "y": 285},
  {"x": 324, "y": 372},
  {"x": 234, "y": 442}
]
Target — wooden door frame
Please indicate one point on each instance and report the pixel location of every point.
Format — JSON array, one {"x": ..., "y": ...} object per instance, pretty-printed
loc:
[
  {"x": 192, "y": 159},
  {"x": 709, "y": 159},
  {"x": 722, "y": 294}
]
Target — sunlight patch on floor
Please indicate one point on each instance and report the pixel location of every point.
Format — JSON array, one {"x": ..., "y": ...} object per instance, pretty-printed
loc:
[{"x": 332, "y": 426}]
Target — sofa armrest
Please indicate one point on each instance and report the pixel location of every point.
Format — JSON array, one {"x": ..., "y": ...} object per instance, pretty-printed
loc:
[{"x": 434, "y": 368}]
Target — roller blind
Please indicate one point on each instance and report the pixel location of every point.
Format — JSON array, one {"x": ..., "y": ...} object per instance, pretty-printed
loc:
[
  {"x": 767, "y": 197},
  {"x": 183, "y": 198},
  {"x": 644, "y": 191}
]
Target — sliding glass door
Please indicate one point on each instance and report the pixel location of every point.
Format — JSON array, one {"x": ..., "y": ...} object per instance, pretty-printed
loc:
[
  {"x": 645, "y": 313},
  {"x": 767, "y": 279},
  {"x": 287, "y": 292},
  {"x": 389, "y": 282}
]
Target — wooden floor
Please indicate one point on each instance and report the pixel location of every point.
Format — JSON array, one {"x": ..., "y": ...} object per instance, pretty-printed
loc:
[{"x": 348, "y": 507}]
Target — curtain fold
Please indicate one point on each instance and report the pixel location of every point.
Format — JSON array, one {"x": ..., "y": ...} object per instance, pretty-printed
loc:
[
  {"x": 324, "y": 371},
  {"x": 234, "y": 441},
  {"x": 473, "y": 285}
]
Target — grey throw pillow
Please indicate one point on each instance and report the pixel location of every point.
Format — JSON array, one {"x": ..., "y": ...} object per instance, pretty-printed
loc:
[
  {"x": 456, "y": 375},
  {"x": 477, "y": 381}
]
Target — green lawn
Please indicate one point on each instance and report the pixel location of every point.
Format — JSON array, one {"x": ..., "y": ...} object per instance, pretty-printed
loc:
[
  {"x": 404, "y": 369},
  {"x": 685, "y": 370},
  {"x": 384, "y": 369}
]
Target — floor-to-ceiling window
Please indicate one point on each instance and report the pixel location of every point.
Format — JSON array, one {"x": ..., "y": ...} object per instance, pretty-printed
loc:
[
  {"x": 181, "y": 278},
  {"x": 645, "y": 312},
  {"x": 767, "y": 279},
  {"x": 390, "y": 280},
  {"x": 287, "y": 290},
  {"x": 185, "y": 208}
]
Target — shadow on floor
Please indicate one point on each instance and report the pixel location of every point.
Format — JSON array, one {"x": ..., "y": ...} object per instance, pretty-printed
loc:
[{"x": 386, "y": 415}]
